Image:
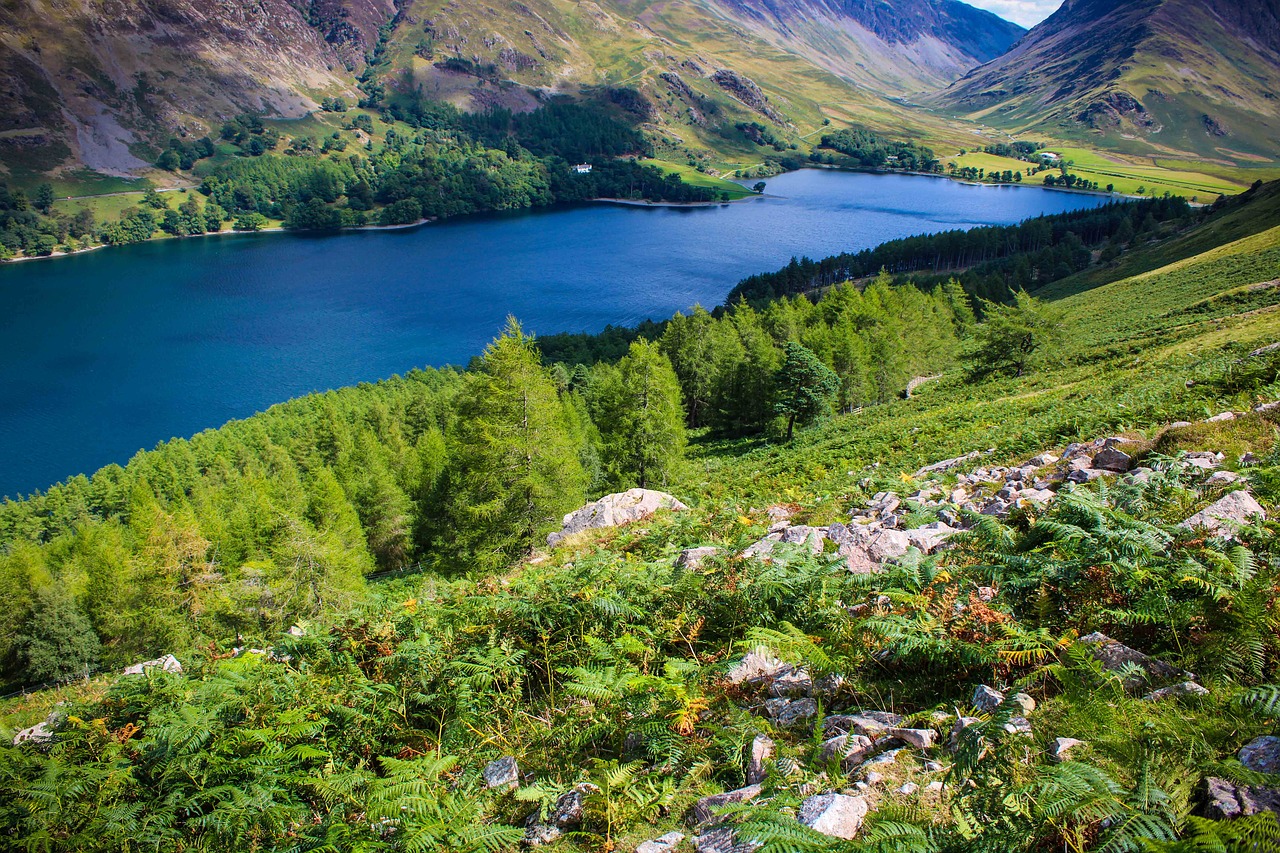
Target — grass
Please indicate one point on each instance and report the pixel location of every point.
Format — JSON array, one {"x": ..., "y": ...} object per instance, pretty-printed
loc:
[{"x": 692, "y": 176}]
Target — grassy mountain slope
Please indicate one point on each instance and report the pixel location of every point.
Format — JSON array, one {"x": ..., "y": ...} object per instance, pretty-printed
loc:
[
  {"x": 603, "y": 664},
  {"x": 1169, "y": 77}
]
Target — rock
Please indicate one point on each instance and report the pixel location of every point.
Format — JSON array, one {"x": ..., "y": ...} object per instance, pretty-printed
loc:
[
  {"x": 1174, "y": 691},
  {"x": 908, "y": 789},
  {"x": 704, "y": 810},
  {"x": 756, "y": 667},
  {"x": 810, "y": 537},
  {"x": 614, "y": 510},
  {"x": 1227, "y": 800},
  {"x": 873, "y": 777},
  {"x": 1018, "y": 726},
  {"x": 1115, "y": 655},
  {"x": 883, "y": 759},
  {"x": 986, "y": 699},
  {"x": 39, "y": 735},
  {"x": 960, "y": 725},
  {"x": 1060, "y": 749},
  {"x": 1036, "y": 496},
  {"x": 759, "y": 754},
  {"x": 1226, "y": 514},
  {"x": 691, "y": 558},
  {"x": 934, "y": 787},
  {"x": 932, "y": 767},
  {"x": 1043, "y": 460},
  {"x": 1203, "y": 461},
  {"x": 1180, "y": 424},
  {"x": 866, "y": 550},
  {"x": 850, "y": 750},
  {"x": 761, "y": 549},
  {"x": 930, "y": 537},
  {"x": 794, "y": 683},
  {"x": 1024, "y": 702},
  {"x": 791, "y": 712},
  {"x": 1223, "y": 478},
  {"x": 1113, "y": 459},
  {"x": 995, "y": 507},
  {"x": 1263, "y": 408},
  {"x": 502, "y": 773},
  {"x": 295, "y": 631},
  {"x": 722, "y": 839},
  {"x": 917, "y": 738},
  {"x": 566, "y": 814},
  {"x": 1262, "y": 754},
  {"x": 1085, "y": 475},
  {"x": 873, "y": 724},
  {"x": 836, "y": 815},
  {"x": 1221, "y": 418},
  {"x": 661, "y": 844},
  {"x": 168, "y": 663},
  {"x": 1141, "y": 476}
]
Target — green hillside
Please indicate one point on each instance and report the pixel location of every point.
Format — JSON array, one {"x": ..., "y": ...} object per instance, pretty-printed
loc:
[{"x": 367, "y": 614}]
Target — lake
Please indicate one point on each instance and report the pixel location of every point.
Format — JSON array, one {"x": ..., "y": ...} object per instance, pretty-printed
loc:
[{"x": 115, "y": 350}]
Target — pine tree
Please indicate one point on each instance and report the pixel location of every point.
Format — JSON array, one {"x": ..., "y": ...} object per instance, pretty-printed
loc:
[
  {"x": 806, "y": 387},
  {"x": 637, "y": 408},
  {"x": 58, "y": 640},
  {"x": 518, "y": 469},
  {"x": 1014, "y": 338}
]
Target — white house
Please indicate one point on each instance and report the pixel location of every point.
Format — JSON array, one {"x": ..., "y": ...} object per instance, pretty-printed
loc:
[{"x": 582, "y": 168}]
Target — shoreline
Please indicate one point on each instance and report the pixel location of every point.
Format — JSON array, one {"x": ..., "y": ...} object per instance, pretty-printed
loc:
[{"x": 625, "y": 202}]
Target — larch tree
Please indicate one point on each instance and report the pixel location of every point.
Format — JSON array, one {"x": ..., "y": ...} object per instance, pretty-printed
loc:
[
  {"x": 637, "y": 409},
  {"x": 806, "y": 387},
  {"x": 518, "y": 469}
]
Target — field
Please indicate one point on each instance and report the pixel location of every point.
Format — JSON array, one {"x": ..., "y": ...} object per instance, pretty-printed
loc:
[{"x": 701, "y": 179}]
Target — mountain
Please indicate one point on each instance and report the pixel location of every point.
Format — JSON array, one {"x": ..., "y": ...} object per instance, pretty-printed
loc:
[
  {"x": 1193, "y": 76},
  {"x": 103, "y": 85}
]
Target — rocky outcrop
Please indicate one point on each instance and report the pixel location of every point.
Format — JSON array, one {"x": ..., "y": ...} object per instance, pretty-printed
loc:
[
  {"x": 1227, "y": 514},
  {"x": 165, "y": 663},
  {"x": 502, "y": 773},
  {"x": 704, "y": 810},
  {"x": 1225, "y": 799},
  {"x": 1262, "y": 754},
  {"x": 744, "y": 89},
  {"x": 836, "y": 815},
  {"x": 615, "y": 510},
  {"x": 1115, "y": 656}
]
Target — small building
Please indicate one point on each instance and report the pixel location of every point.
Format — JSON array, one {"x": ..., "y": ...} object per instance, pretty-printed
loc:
[
  {"x": 583, "y": 168},
  {"x": 1049, "y": 156}
]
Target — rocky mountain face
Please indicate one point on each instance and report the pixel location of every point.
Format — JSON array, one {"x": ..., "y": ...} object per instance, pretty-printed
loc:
[
  {"x": 1199, "y": 76},
  {"x": 101, "y": 84},
  {"x": 903, "y": 44},
  {"x": 91, "y": 82}
]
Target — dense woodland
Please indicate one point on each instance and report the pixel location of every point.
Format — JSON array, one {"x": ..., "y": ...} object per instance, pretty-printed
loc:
[{"x": 991, "y": 262}]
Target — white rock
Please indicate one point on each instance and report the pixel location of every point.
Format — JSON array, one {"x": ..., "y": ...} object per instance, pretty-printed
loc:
[
  {"x": 661, "y": 844},
  {"x": 1062, "y": 746},
  {"x": 760, "y": 753},
  {"x": 168, "y": 663},
  {"x": 614, "y": 510},
  {"x": 1225, "y": 416},
  {"x": 934, "y": 787},
  {"x": 691, "y": 558},
  {"x": 502, "y": 773},
  {"x": 986, "y": 699},
  {"x": 1186, "y": 688},
  {"x": 909, "y": 788},
  {"x": 917, "y": 738},
  {"x": 756, "y": 666},
  {"x": 1227, "y": 513},
  {"x": 836, "y": 815},
  {"x": 930, "y": 537},
  {"x": 37, "y": 735}
]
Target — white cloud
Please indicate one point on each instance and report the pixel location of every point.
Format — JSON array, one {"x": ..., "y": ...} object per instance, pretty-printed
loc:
[{"x": 1025, "y": 12}]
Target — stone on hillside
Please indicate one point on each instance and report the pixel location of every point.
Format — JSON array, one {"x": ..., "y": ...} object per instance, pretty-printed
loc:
[
  {"x": 873, "y": 724},
  {"x": 1060, "y": 749},
  {"x": 1115, "y": 656},
  {"x": 614, "y": 510},
  {"x": 1174, "y": 691},
  {"x": 1037, "y": 496},
  {"x": 872, "y": 777},
  {"x": 835, "y": 815},
  {"x": 917, "y": 738},
  {"x": 1085, "y": 475},
  {"x": 1141, "y": 476},
  {"x": 1018, "y": 726},
  {"x": 930, "y": 537},
  {"x": 566, "y": 814},
  {"x": 908, "y": 788},
  {"x": 502, "y": 773},
  {"x": 986, "y": 699},
  {"x": 1024, "y": 702},
  {"x": 721, "y": 839},
  {"x": 1224, "y": 478},
  {"x": 1262, "y": 754},
  {"x": 39, "y": 735},
  {"x": 791, "y": 712},
  {"x": 167, "y": 663},
  {"x": 761, "y": 549},
  {"x": 661, "y": 844},
  {"x": 947, "y": 464},
  {"x": 793, "y": 684},
  {"x": 704, "y": 810},
  {"x": 865, "y": 551},
  {"x": 1113, "y": 459},
  {"x": 884, "y": 759},
  {"x": 691, "y": 558},
  {"x": 810, "y": 537},
  {"x": 1262, "y": 408},
  {"x": 1226, "y": 800},
  {"x": 1221, "y": 418},
  {"x": 1203, "y": 461},
  {"x": 756, "y": 667},
  {"x": 1043, "y": 459},
  {"x": 849, "y": 750},
  {"x": 759, "y": 754},
  {"x": 934, "y": 787},
  {"x": 1226, "y": 514},
  {"x": 961, "y": 724}
]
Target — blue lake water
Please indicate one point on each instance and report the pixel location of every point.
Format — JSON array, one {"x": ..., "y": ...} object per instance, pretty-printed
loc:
[{"x": 116, "y": 350}]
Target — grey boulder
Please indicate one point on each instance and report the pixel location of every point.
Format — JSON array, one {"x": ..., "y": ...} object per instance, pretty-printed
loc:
[
  {"x": 704, "y": 810},
  {"x": 1224, "y": 515},
  {"x": 1262, "y": 754},
  {"x": 501, "y": 773},
  {"x": 661, "y": 844},
  {"x": 615, "y": 510},
  {"x": 835, "y": 815}
]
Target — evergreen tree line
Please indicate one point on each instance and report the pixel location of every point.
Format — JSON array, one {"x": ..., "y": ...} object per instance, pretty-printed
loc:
[
  {"x": 991, "y": 262},
  {"x": 241, "y": 531}
]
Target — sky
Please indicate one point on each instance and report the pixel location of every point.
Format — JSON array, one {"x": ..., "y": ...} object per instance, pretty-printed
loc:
[{"x": 1025, "y": 12}]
